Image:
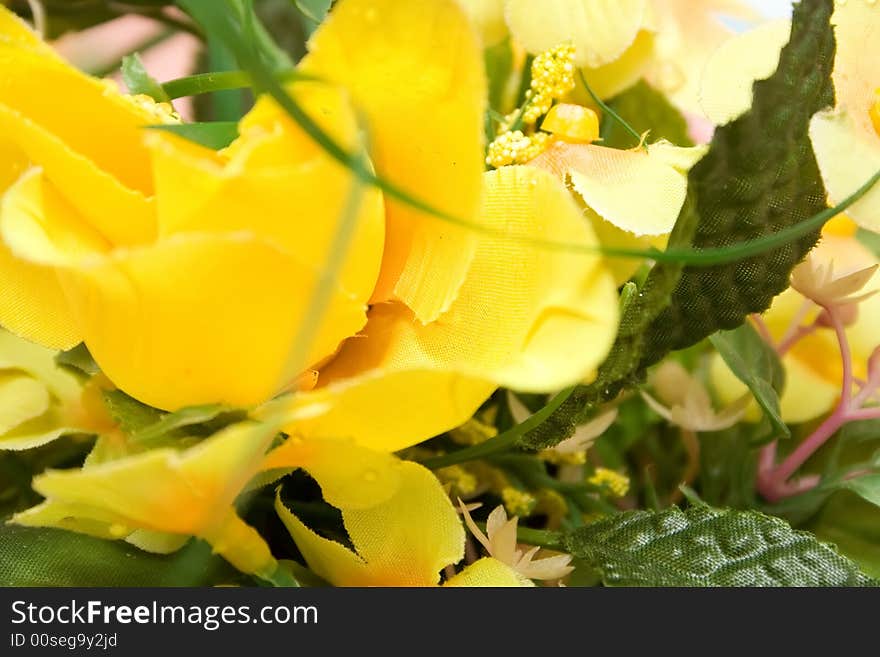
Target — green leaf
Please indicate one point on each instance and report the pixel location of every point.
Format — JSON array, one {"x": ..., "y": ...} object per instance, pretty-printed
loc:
[
  {"x": 54, "y": 557},
  {"x": 207, "y": 415},
  {"x": 138, "y": 81},
  {"x": 131, "y": 415},
  {"x": 709, "y": 547},
  {"x": 313, "y": 12},
  {"x": 645, "y": 109},
  {"x": 211, "y": 134},
  {"x": 853, "y": 525},
  {"x": 759, "y": 177},
  {"x": 79, "y": 358},
  {"x": 756, "y": 364},
  {"x": 867, "y": 487}
]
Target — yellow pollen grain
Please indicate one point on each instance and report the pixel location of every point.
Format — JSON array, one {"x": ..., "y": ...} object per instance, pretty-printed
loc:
[{"x": 616, "y": 483}]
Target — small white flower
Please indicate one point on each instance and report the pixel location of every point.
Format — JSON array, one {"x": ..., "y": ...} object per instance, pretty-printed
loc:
[
  {"x": 500, "y": 542},
  {"x": 817, "y": 281},
  {"x": 584, "y": 436}
]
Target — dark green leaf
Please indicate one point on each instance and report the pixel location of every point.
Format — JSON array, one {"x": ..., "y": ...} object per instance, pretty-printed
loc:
[
  {"x": 709, "y": 547},
  {"x": 79, "y": 359},
  {"x": 645, "y": 109},
  {"x": 211, "y": 134},
  {"x": 759, "y": 177},
  {"x": 54, "y": 557},
  {"x": 138, "y": 81},
  {"x": 756, "y": 364}
]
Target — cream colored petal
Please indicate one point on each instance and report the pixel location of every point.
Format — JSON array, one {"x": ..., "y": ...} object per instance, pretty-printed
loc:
[
  {"x": 21, "y": 399},
  {"x": 726, "y": 89},
  {"x": 600, "y": 30},
  {"x": 847, "y": 158}
]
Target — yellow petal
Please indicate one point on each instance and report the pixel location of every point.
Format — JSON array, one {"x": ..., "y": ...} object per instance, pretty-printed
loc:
[
  {"x": 357, "y": 407},
  {"x": 40, "y": 226},
  {"x": 511, "y": 325},
  {"x": 33, "y": 305},
  {"x": 21, "y": 399},
  {"x": 488, "y": 572},
  {"x": 488, "y": 17},
  {"x": 415, "y": 72},
  {"x": 600, "y": 30},
  {"x": 39, "y": 362},
  {"x": 619, "y": 75},
  {"x": 847, "y": 158},
  {"x": 726, "y": 91},
  {"x": 405, "y": 541},
  {"x": 92, "y": 151},
  {"x": 632, "y": 190},
  {"x": 350, "y": 476},
  {"x": 275, "y": 182},
  {"x": 203, "y": 318},
  {"x": 14, "y": 31}
]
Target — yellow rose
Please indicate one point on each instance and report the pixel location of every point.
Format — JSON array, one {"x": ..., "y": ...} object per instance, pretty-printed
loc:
[{"x": 189, "y": 273}]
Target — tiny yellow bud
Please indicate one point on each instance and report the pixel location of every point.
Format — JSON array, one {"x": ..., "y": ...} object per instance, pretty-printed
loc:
[
  {"x": 518, "y": 502},
  {"x": 572, "y": 123},
  {"x": 473, "y": 432},
  {"x": 616, "y": 483},
  {"x": 875, "y": 111}
]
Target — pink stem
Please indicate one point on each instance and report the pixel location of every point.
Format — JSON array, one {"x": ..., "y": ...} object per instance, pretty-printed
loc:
[{"x": 763, "y": 330}]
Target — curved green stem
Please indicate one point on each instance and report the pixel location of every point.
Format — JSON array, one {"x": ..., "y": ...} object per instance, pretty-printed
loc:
[{"x": 503, "y": 441}]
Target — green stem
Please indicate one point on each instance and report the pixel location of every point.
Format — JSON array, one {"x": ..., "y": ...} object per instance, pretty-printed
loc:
[
  {"x": 503, "y": 441},
  {"x": 205, "y": 83},
  {"x": 607, "y": 108}
]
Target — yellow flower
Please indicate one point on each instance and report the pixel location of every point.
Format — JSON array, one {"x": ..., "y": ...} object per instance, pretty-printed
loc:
[
  {"x": 199, "y": 295},
  {"x": 845, "y": 139},
  {"x": 632, "y": 198},
  {"x": 813, "y": 363},
  {"x": 41, "y": 401},
  {"x": 500, "y": 542},
  {"x": 404, "y": 541}
]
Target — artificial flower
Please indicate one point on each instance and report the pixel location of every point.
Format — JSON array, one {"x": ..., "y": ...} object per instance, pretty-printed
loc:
[
  {"x": 40, "y": 400},
  {"x": 845, "y": 138},
  {"x": 685, "y": 402},
  {"x": 499, "y": 540},
  {"x": 809, "y": 350},
  {"x": 405, "y": 541},
  {"x": 204, "y": 296}
]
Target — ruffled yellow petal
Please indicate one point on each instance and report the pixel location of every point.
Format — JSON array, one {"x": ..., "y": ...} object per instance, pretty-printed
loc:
[
  {"x": 203, "y": 318},
  {"x": 414, "y": 70},
  {"x": 600, "y": 30},
  {"x": 350, "y": 476},
  {"x": 277, "y": 183},
  {"x": 92, "y": 151},
  {"x": 166, "y": 491},
  {"x": 511, "y": 325},
  {"x": 405, "y": 541},
  {"x": 633, "y": 190},
  {"x": 488, "y": 572},
  {"x": 726, "y": 89}
]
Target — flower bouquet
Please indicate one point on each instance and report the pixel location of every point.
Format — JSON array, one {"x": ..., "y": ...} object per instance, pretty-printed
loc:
[{"x": 439, "y": 293}]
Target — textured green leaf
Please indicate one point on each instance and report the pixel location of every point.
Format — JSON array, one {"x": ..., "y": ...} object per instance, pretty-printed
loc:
[
  {"x": 709, "y": 547},
  {"x": 645, "y": 109},
  {"x": 139, "y": 81},
  {"x": 759, "y": 177},
  {"x": 756, "y": 364},
  {"x": 54, "y": 557},
  {"x": 130, "y": 414},
  {"x": 313, "y": 12},
  {"x": 211, "y": 134}
]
